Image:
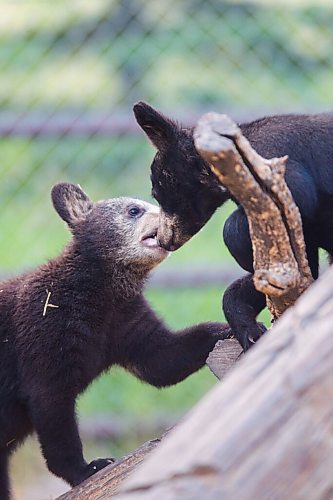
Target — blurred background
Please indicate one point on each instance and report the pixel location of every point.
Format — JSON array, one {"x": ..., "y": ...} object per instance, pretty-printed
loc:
[{"x": 71, "y": 71}]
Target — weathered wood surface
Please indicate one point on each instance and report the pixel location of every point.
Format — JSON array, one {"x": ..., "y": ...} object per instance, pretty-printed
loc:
[
  {"x": 105, "y": 483},
  {"x": 281, "y": 268},
  {"x": 266, "y": 431},
  {"x": 224, "y": 356}
]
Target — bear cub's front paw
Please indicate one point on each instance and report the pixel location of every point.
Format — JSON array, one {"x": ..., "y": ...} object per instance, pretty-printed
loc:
[
  {"x": 253, "y": 336},
  {"x": 97, "y": 465}
]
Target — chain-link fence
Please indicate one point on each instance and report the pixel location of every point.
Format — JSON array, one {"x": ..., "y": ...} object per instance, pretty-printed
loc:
[{"x": 71, "y": 71}]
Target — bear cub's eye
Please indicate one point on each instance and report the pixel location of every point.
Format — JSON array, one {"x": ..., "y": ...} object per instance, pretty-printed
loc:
[{"x": 135, "y": 211}]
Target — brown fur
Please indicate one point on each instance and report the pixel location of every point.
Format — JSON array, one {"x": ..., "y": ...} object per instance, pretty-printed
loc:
[{"x": 69, "y": 320}]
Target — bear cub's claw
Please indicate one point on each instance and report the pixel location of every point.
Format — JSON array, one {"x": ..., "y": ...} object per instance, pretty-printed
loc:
[
  {"x": 97, "y": 465},
  {"x": 253, "y": 336}
]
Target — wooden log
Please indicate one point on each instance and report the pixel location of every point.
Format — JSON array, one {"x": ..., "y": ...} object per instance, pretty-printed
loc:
[
  {"x": 105, "y": 483},
  {"x": 267, "y": 430},
  {"x": 281, "y": 272}
]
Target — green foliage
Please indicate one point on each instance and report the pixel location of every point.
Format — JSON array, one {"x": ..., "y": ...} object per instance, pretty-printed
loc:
[
  {"x": 105, "y": 167},
  {"x": 92, "y": 57},
  {"x": 125, "y": 49}
]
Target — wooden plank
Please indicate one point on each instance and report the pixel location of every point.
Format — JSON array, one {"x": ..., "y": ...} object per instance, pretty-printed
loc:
[{"x": 224, "y": 356}]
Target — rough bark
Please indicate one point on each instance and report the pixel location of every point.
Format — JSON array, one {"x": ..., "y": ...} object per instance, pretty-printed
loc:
[
  {"x": 105, "y": 483},
  {"x": 267, "y": 430},
  {"x": 281, "y": 268}
]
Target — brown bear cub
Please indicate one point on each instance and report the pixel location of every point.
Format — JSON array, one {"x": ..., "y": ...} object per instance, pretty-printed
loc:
[{"x": 64, "y": 323}]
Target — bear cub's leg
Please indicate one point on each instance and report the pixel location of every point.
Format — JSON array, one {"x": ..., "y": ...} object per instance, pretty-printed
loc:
[
  {"x": 163, "y": 358},
  {"x": 4, "y": 476},
  {"x": 54, "y": 421}
]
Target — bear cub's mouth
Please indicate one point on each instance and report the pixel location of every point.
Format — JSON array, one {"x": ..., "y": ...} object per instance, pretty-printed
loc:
[{"x": 150, "y": 239}]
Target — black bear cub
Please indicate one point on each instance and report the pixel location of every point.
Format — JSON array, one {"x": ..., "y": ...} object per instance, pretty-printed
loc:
[
  {"x": 189, "y": 193},
  {"x": 67, "y": 321}
]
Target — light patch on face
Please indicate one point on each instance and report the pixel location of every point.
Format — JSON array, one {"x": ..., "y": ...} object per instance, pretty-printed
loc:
[{"x": 137, "y": 235}]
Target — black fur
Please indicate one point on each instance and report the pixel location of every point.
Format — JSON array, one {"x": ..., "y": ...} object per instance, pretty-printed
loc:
[
  {"x": 96, "y": 317},
  {"x": 188, "y": 194}
]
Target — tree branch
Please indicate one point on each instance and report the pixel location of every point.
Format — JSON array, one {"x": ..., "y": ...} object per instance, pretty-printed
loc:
[{"x": 282, "y": 272}]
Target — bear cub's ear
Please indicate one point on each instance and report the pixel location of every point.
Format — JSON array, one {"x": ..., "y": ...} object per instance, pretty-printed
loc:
[
  {"x": 159, "y": 129},
  {"x": 71, "y": 203}
]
